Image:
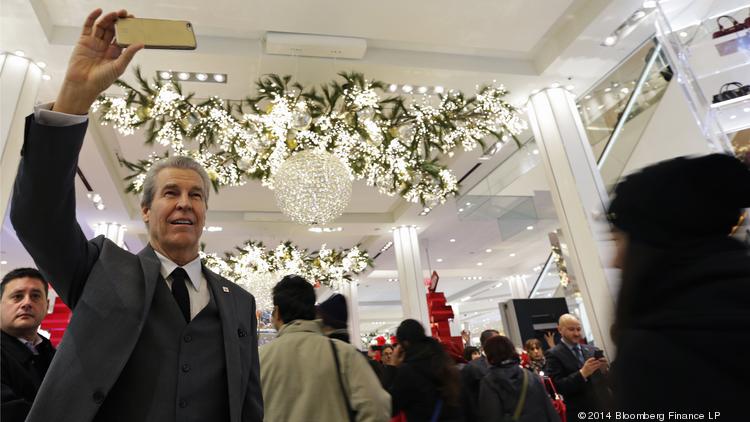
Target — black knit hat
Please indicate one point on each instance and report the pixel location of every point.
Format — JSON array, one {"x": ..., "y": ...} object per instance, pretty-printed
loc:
[
  {"x": 333, "y": 311},
  {"x": 683, "y": 200}
]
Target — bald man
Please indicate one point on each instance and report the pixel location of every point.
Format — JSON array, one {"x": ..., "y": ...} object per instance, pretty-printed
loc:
[{"x": 575, "y": 371}]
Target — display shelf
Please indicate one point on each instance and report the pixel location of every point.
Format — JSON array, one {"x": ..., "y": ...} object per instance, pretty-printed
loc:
[{"x": 703, "y": 64}]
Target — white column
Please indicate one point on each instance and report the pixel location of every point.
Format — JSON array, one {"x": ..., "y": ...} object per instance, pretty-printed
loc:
[
  {"x": 19, "y": 84},
  {"x": 351, "y": 292},
  {"x": 410, "y": 277},
  {"x": 579, "y": 197},
  {"x": 518, "y": 287}
]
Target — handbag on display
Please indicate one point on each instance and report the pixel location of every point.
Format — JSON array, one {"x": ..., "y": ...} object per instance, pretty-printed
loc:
[
  {"x": 557, "y": 400},
  {"x": 736, "y": 26},
  {"x": 728, "y": 93}
]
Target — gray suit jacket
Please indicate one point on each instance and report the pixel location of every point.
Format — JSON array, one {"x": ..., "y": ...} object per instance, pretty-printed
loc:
[{"x": 110, "y": 290}]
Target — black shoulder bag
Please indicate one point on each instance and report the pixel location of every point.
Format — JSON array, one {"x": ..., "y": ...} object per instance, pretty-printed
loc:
[{"x": 349, "y": 410}]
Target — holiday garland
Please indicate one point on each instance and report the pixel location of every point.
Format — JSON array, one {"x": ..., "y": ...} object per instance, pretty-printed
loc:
[
  {"x": 390, "y": 142},
  {"x": 258, "y": 269}
]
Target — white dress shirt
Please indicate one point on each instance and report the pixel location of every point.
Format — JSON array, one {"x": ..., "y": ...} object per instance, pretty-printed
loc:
[{"x": 198, "y": 286}]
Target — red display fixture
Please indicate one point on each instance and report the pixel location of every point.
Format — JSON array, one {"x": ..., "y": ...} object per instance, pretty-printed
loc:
[
  {"x": 56, "y": 322},
  {"x": 440, "y": 313}
]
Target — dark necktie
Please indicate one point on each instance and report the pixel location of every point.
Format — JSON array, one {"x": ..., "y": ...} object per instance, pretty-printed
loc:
[
  {"x": 180, "y": 293},
  {"x": 579, "y": 354}
]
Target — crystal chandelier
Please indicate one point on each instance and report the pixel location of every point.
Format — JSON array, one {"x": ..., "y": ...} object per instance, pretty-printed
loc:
[{"x": 312, "y": 187}]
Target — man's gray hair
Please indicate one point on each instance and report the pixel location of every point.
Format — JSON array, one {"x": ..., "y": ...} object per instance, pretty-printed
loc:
[{"x": 178, "y": 162}]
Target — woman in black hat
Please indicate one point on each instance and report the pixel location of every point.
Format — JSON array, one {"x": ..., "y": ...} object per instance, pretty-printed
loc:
[{"x": 685, "y": 285}]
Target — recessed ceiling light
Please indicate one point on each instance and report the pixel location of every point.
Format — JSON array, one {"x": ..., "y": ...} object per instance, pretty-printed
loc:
[
  {"x": 392, "y": 87},
  {"x": 41, "y": 65},
  {"x": 46, "y": 77},
  {"x": 183, "y": 76},
  {"x": 649, "y": 4},
  {"x": 625, "y": 90},
  {"x": 479, "y": 264},
  {"x": 500, "y": 284},
  {"x": 201, "y": 76},
  {"x": 3, "y": 262},
  {"x": 570, "y": 87},
  {"x": 439, "y": 260},
  {"x": 213, "y": 229},
  {"x": 19, "y": 53},
  {"x": 733, "y": 116},
  {"x": 452, "y": 240},
  {"x": 407, "y": 88},
  {"x": 746, "y": 109},
  {"x": 422, "y": 89},
  {"x": 529, "y": 227},
  {"x": 100, "y": 206},
  {"x": 607, "y": 89},
  {"x": 683, "y": 34},
  {"x": 488, "y": 250},
  {"x": 165, "y": 75},
  {"x": 610, "y": 41},
  {"x": 438, "y": 90},
  {"x": 512, "y": 255},
  {"x": 218, "y": 77},
  {"x": 460, "y": 210},
  {"x": 588, "y": 97},
  {"x": 468, "y": 204},
  {"x": 535, "y": 152}
]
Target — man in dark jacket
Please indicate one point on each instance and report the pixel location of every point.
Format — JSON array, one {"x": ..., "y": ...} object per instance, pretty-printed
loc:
[
  {"x": 576, "y": 372},
  {"x": 471, "y": 375},
  {"x": 25, "y": 354}
]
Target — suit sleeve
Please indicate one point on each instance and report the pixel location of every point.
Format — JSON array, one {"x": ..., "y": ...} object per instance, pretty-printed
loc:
[
  {"x": 368, "y": 399},
  {"x": 253, "y": 407},
  {"x": 490, "y": 406},
  {"x": 566, "y": 382},
  {"x": 14, "y": 408},
  {"x": 43, "y": 207}
]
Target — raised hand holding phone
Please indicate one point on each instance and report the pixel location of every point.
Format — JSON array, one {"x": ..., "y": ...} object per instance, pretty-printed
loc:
[{"x": 95, "y": 63}]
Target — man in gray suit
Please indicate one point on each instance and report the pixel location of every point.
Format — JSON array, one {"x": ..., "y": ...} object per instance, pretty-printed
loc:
[{"x": 154, "y": 336}]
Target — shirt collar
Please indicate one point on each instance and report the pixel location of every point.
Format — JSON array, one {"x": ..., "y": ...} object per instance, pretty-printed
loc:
[
  {"x": 192, "y": 268},
  {"x": 37, "y": 341},
  {"x": 569, "y": 345}
]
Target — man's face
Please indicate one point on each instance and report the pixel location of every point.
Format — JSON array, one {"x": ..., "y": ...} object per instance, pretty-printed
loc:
[
  {"x": 570, "y": 330},
  {"x": 177, "y": 213},
  {"x": 24, "y": 306},
  {"x": 387, "y": 352}
]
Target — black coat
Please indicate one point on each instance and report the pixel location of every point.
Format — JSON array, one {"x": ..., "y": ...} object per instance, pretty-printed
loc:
[
  {"x": 580, "y": 394},
  {"x": 686, "y": 319},
  {"x": 22, "y": 374},
  {"x": 471, "y": 378},
  {"x": 500, "y": 392},
  {"x": 415, "y": 389}
]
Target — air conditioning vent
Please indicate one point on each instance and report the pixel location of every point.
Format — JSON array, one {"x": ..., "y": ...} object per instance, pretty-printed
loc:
[{"x": 289, "y": 44}]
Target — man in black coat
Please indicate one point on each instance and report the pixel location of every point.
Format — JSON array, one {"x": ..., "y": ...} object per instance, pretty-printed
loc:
[
  {"x": 575, "y": 371},
  {"x": 25, "y": 354},
  {"x": 471, "y": 377}
]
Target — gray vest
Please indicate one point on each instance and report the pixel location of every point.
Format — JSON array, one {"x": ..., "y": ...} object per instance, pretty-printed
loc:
[{"x": 177, "y": 371}]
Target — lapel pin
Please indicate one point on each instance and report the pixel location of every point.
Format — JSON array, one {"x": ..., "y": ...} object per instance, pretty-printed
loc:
[{"x": 225, "y": 288}]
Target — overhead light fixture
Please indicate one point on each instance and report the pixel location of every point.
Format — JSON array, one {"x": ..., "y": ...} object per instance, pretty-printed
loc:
[
  {"x": 529, "y": 227},
  {"x": 392, "y": 88},
  {"x": 535, "y": 152},
  {"x": 570, "y": 87},
  {"x": 407, "y": 88},
  {"x": 393, "y": 280},
  {"x": 607, "y": 89},
  {"x": 625, "y": 90},
  {"x": 168, "y": 75},
  {"x": 649, "y": 4},
  {"x": 19, "y": 53},
  {"x": 479, "y": 264},
  {"x": 213, "y": 229},
  {"x": 588, "y": 97},
  {"x": 438, "y": 89},
  {"x": 500, "y": 284},
  {"x": 3, "y": 262},
  {"x": 386, "y": 246},
  {"x": 452, "y": 240},
  {"x": 439, "y": 260},
  {"x": 46, "y": 77},
  {"x": 460, "y": 210},
  {"x": 488, "y": 250},
  {"x": 629, "y": 25},
  {"x": 425, "y": 211},
  {"x": 512, "y": 255},
  {"x": 422, "y": 89}
]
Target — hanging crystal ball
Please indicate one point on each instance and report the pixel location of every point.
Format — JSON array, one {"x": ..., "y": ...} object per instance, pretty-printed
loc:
[{"x": 312, "y": 187}]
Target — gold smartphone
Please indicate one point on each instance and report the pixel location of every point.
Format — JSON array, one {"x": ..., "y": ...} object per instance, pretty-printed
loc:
[{"x": 155, "y": 33}]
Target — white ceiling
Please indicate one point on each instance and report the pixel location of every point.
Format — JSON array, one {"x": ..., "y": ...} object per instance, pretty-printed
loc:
[{"x": 524, "y": 44}]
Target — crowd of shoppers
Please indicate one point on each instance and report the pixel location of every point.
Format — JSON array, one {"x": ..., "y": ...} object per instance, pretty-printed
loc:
[{"x": 186, "y": 344}]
